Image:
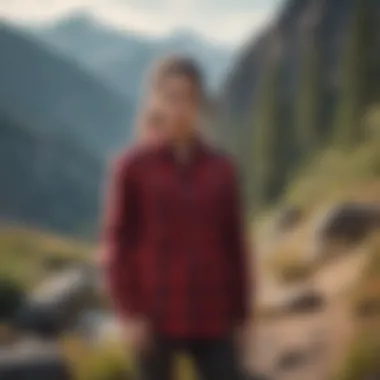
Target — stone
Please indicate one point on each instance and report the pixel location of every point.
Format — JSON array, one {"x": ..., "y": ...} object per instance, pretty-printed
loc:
[
  {"x": 292, "y": 359},
  {"x": 306, "y": 301},
  {"x": 350, "y": 222},
  {"x": 59, "y": 301},
  {"x": 33, "y": 360}
]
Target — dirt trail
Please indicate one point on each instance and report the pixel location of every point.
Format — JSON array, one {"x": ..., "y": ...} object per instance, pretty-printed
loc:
[{"x": 320, "y": 338}]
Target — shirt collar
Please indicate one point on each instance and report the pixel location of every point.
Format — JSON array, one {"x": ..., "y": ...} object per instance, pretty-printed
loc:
[{"x": 198, "y": 149}]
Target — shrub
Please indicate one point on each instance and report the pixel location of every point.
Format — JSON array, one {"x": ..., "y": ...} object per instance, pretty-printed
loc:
[{"x": 11, "y": 298}]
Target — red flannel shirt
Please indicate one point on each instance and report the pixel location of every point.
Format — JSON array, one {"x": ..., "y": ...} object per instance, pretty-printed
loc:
[{"x": 174, "y": 242}]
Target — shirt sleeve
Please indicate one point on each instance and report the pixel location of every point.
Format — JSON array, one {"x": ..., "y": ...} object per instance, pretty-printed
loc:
[
  {"x": 120, "y": 237},
  {"x": 243, "y": 286}
]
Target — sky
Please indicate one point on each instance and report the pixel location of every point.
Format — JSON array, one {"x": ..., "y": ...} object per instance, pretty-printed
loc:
[{"x": 228, "y": 22}]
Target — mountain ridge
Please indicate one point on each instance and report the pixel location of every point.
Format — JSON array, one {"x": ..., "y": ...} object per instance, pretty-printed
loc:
[
  {"x": 69, "y": 97},
  {"x": 302, "y": 85},
  {"x": 123, "y": 57}
]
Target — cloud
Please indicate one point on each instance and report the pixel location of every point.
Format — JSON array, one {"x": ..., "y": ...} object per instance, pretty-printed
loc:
[
  {"x": 40, "y": 10},
  {"x": 224, "y": 21}
]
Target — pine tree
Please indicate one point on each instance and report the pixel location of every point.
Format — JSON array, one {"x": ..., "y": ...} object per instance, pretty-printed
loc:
[
  {"x": 354, "y": 84},
  {"x": 264, "y": 129},
  {"x": 309, "y": 135}
]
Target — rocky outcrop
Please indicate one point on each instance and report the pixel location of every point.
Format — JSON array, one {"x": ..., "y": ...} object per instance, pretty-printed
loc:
[
  {"x": 350, "y": 222},
  {"x": 344, "y": 226},
  {"x": 58, "y": 303}
]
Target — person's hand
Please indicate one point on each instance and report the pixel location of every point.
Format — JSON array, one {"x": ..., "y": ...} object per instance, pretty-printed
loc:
[{"x": 137, "y": 334}]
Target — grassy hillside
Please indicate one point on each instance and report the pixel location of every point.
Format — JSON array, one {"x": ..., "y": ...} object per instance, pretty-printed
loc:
[
  {"x": 362, "y": 360},
  {"x": 26, "y": 255}
]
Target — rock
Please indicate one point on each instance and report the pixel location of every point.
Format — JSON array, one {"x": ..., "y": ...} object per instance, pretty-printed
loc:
[
  {"x": 11, "y": 298},
  {"x": 46, "y": 322},
  {"x": 307, "y": 301},
  {"x": 350, "y": 222},
  {"x": 58, "y": 302},
  {"x": 292, "y": 359},
  {"x": 33, "y": 360},
  {"x": 96, "y": 326}
]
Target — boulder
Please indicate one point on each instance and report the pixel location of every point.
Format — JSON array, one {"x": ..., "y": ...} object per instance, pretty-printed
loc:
[
  {"x": 307, "y": 301},
  {"x": 294, "y": 358},
  {"x": 343, "y": 227},
  {"x": 291, "y": 360},
  {"x": 11, "y": 298},
  {"x": 350, "y": 222},
  {"x": 33, "y": 360},
  {"x": 59, "y": 301}
]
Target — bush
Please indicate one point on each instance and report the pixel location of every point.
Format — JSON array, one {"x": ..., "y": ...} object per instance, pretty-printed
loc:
[{"x": 11, "y": 298}]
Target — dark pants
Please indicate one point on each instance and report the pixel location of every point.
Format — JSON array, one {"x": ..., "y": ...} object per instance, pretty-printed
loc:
[{"x": 214, "y": 359}]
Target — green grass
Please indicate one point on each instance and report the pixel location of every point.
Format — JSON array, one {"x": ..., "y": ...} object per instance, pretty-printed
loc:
[
  {"x": 363, "y": 358},
  {"x": 25, "y": 254},
  {"x": 363, "y": 355},
  {"x": 112, "y": 361},
  {"x": 24, "y": 258},
  {"x": 338, "y": 175}
]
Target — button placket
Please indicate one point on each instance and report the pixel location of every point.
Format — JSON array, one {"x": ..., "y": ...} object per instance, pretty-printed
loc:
[
  {"x": 188, "y": 197},
  {"x": 162, "y": 258}
]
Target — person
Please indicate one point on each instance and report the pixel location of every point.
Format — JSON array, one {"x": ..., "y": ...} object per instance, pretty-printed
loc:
[
  {"x": 175, "y": 254},
  {"x": 152, "y": 124}
]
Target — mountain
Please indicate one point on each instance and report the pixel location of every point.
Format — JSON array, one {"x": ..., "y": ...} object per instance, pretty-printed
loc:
[
  {"x": 55, "y": 92},
  {"x": 122, "y": 58},
  {"x": 65, "y": 105},
  {"x": 303, "y": 84},
  {"x": 57, "y": 124},
  {"x": 46, "y": 181}
]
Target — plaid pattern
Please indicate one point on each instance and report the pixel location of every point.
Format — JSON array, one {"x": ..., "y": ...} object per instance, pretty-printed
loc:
[{"x": 174, "y": 250}]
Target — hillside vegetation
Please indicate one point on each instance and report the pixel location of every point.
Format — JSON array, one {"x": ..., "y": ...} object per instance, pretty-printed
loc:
[
  {"x": 27, "y": 256},
  {"x": 301, "y": 89}
]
